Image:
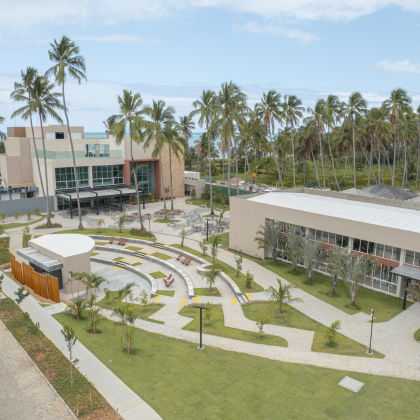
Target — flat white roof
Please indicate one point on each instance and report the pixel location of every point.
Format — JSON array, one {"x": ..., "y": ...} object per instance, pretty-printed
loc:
[
  {"x": 374, "y": 214},
  {"x": 101, "y": 193},
  {"x": 65, "y": 245}
]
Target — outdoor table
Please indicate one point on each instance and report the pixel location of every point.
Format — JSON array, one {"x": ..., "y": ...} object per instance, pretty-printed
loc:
[
  {"x": 196, "y": 228},
  {"x": 219, "y": 228},
  {"x": 171, "y": 215}
]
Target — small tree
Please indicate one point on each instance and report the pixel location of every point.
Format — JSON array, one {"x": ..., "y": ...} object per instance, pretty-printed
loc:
[
  {"x": 281, "y": 295},
  {"x": 36, "y": 212},
  {"x": 261, "y": 321},
  {"x": 293, "y": 248},
  {"x": 16, "y": 215},
  {"x": 143, "y": 298},
  {"x": 248, "y": 280},
  {"x": 93, "y": 314},
  {"x": 28, "y": 215},
  {"x": 209, "y": 313},
  {"x": 35, "y": 331},
  {"x": 100, "y": 222},
  {"x": 203, "y": 247},
  {"x": 127, "y": 316},
  {"x": 215, "y": 243},
  {"x": 331, "y": 333},
  {"x": 70, "y": 339},
  {"x": 1, "y": 285},
  {"x": 120, "y": 221},
  {"x": 183, "y": 234},
  {"x": 336, "y": 258},
  {"x": 311, "y": 254},
  {"x": 127, "y": 290},
  {"x": 211, "y": 275},
  {"x": 267, "y": 237},
  {"x": 2, "y": 217},
  {"x": 21, "y": 295},
  {"x": 239, "y": 259},
  {"x": 25, "y": 237}
]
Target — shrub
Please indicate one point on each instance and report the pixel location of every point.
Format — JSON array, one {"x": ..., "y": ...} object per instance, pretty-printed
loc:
[
  {"x": 330, "y": 334},
  {"x": 248, "y": 280}
]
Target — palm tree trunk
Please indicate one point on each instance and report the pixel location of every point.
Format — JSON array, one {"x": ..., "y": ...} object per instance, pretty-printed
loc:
[
  {"x": 395, "y": 156},
  {"x": 170, "y": 178},
  {"x": 37, "y": 161},
  {"x": 316, "y": 169},
  {"x": 142, "y": 228},
  {"x": 334, "y": 284},
  {"x": 332, "y": 161},
  {"x": 275, "y": 157},
  {"x": 237, "y": 173},
  {"x": 405, "y": 161},
  {"x": 74, "y": 164},
  {"x": 48, "y": 223},
  {"x": 304, "y": 170},
  {"x": 354, "y": 155},
  {"x": 293, "y": 156},
  {"x": 211, "y": 182},
  {"x": 322, "y": 159},
  {"x": 163, "y": 184},
  {"x": 228, "y": 148}
]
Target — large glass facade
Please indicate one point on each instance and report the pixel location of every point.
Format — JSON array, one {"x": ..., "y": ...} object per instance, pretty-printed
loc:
[
  {"x": 412, "y": 258},
  {"x": 379, "y": 250},
  {"x": 107, "y": 175},
  {"x": 145, "y": 176},
  {"x": 329, "y": 238},
  {"x": 64, "y": 177}
]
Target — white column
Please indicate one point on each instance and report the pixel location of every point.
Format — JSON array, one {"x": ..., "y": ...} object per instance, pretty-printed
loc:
[
  {"x": 399, "y": 278},
  {"x": 351, "y": 241}
]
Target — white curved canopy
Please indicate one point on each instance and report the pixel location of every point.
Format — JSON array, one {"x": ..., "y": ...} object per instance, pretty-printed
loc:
[{"x": 65, "y": 245}]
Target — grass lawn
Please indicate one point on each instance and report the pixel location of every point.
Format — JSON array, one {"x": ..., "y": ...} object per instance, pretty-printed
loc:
[
  {"x": 417, "y": 335},
  {"x": 4, "y": 251},
  {"x": 166, "y": 221},
  {"x": 94, "y": 253},
  {"x": 216, "y": 327},
  {"x": 385, "y": 306},
  {"x": 133, "y": 248},
  {"x": 44, "y": 305},
  {"x": 200, "y": 202},
  {"x": 230, "y": 271},
  {"x": 109, "y": 232},
  {"x": 162, "y": 256},
  {"x": 179, "y": 381},
  {"x": 118, "y": 259},
  {"x": 158, "y": 275},
  {"x": 165, "y": 292},
  {"x": 224, "y": 239},
  {"x": 16, "y": 225},
  {"x": 135, "y": 264},
  {"x": 101, "y": 243},
  {"x": 295, "y": 319},
  {"x": 203, "y": 291}
]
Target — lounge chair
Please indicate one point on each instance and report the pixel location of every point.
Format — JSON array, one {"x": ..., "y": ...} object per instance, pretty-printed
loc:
[
  {"x": 180, "y": 255},
  {"x": 168, "y": 283},
  {"x": 123, "y": 241},
  {"x": 188, "y": 262},
  {"x": 169, "y": 277},
  {"x": 185, "y": 260},
  {"x": 111, "y": 240},
  {"x": 120, "y": 241}
]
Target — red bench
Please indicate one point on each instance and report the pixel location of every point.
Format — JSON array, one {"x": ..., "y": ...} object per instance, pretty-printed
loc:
[
  {"x": 180, "y": 255},
  {"x": 111, "y": 240}
]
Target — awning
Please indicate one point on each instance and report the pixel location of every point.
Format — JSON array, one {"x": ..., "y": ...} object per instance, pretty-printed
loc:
[
  {"x": 117, "y": 192},
  {"x": 407, "y": 271},
  {"x": 38, "y": 258}
]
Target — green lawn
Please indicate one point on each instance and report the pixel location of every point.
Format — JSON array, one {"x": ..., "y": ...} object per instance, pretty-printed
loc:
[
  {"x": 162, "y": 256},
  {"x": 385, "y": 306},
  {"x": 204, "y": 291},
  {"x": 108, "y": 232},
  {"x": 200, "y": 202},
  {"x": 179, "y": 382},
  {"x": 216, "y": 326},
  {"x": 295, "y": 319},
  {"x": 101, "y": 243},
  {"x": 4, "y": 251},
  {"x": 158, "y": 275},
  {"x": 133, "y": 248},
  {"x": 165, "y": 292},
  {"x": 417, "y": 335},
  {"x": 136, "y": 264},
  {"x": 166, "y": 221},
  {"x": 94, "y": 253},
  {"x": 118, "y": 259},
  {"x": 16, "y": 225},
  {"x": 230, "y": 271},
  {"x": 224, "y": 240}
]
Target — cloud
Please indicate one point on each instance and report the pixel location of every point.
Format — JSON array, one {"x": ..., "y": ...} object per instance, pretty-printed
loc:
[
  {"x": 398, "y": 66},
  {"x": 277, "y": 30},
  {"x": 120, "y": 38}
]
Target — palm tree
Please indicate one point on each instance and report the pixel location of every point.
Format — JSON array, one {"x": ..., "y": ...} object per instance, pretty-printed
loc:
[
  {"x": 331, "y": 116},
  {"x": 108, "y": 123},
  {"x": 397, "y": 104},
  {"x": 267, "y": 237},
  {"x": 270, "y": 110},
  {"x": 311, "y": 255},
  {"x": 45, "y": 102},
  {"x": 293, "y": 245},
  {"x": 100, "y": 222},
  {"x": 120, "y": 221},
  {"x": 281, "y": 295},
  {"x": 22, "y": 93},
  {"x": 68, "y": 63},
  {"x": 336, "y": 258},
  {"x": 418, "y": 145},
  {"x": 211, "y": 275},
  {"x": 292, "y": 111},
  {"x": 204, "y": 106},
  {"x": 162, "y": 120},
  {"x": 131, "y": 120},
  {"x": 3, "y": 136},
  {"x": 229, "y": 104}
]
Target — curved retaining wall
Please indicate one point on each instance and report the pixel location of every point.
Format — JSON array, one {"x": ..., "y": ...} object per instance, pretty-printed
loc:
[
  {"x": 232, "y": 285},
  {"x": 141, "y": 273}
]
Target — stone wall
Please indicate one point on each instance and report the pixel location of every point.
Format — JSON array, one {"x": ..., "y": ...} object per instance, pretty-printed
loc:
[{"x": 177, "y": 171}]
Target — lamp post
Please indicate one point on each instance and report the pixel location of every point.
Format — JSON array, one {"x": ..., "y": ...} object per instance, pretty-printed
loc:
[
  {"x": 405, "y": 293},
  {"x": 143, "y": 201},
  {"x": 371, "y": 331},
  {"x": 201, "y": 325}
]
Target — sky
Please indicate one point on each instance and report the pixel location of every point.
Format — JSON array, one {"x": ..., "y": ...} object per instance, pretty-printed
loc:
[{"x": 173, "y": 49}]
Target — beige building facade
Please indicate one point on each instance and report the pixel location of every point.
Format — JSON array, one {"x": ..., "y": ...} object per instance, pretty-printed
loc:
[{"x": 387, "y": 230}]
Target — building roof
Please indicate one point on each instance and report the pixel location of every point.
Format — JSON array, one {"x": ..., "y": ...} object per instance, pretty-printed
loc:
[
  {"x": 407, "y": 271},
  {"x": 373, "y": 214},
  {"x": 64, "y": 245},
  {"x": 91, "y": 193},
  {"x": 389, "y": 192},
  {"x": 40, "y": 259}
]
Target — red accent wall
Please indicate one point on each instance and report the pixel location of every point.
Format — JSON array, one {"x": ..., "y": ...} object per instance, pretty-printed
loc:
[
  {"x": 381, "y": 260},
  {"x": 158, "y": 186}
]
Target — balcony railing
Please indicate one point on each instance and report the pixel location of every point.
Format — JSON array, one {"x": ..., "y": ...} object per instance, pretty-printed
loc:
[{"x": 80, "y": 154}]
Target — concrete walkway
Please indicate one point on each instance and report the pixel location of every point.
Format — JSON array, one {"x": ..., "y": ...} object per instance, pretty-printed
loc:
[
  {"x": 130, "y": 406},
  {"x": 25, "y": 393}
]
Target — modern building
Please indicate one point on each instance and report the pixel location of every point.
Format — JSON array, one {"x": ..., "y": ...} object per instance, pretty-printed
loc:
[
  {"x": 104, "y": 168},
  {"x": 386, "y": 229}
]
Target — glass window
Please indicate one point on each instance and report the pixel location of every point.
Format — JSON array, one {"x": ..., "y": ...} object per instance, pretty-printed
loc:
[
  {"x": 397, "y": 254},
  {"x": 312, "y": 233},
  {"x": 107, "y": 175},
  {"x": 363, "y": 246},
  {"x": 417, "y": 259},
  {"x": 380, "y": 250},
  {"x": 64, "y": 177},
  {"x": 356, "y": 245},
  {"x": 145, "y": 176},
  {"x": 388, "y": 252}
]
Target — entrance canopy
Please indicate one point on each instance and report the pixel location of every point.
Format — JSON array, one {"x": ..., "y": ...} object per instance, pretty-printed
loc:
[
  {"x": 40, "y": 259},
  {"x": 407, "y": 271},
  {"x": 106, "y": 191}
]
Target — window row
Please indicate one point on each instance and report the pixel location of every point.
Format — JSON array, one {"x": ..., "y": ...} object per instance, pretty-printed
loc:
[
  {"x": 329, "y": 238},
  {"x": 412, "y": 258},
  {"x": 64, "y": 177},
  {"x": 379, "y": 250},
  {"x": 107, "y": 175}
]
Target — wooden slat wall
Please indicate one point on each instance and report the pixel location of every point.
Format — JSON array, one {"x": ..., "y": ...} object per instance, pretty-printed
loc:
[
  {"x": 40, "y": 284},
  {"x": 17, "y": 270},
  {"x": 53, "y": 288},
  {"x": 27, "y": 275}
]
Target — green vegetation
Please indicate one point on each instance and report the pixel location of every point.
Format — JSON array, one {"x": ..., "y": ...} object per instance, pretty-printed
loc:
[
  {"x": 216, "y": 326},
  {"x": 230, "y": 271},
  {"x": 236, "y": 385},
  {"x": 166, "y": 221},
  {"x": 118, "y": 259},
  {"x": 54, "y": 225},
  {"x": 44, "y": 305},
  {"x": 4, "y": 251},
  {"x": 133, "y": 248},
  {"x": 52, "y": 363},
  {"x": 136, "y": 264},
  {"x": 385, "y": 306},
  {"x": 417, "y": 335},
  {"x": 201, "y": 202},
  {"x": 16, "y": 225},
  {"x": 224, "y": 237},
  {"x": 162, "y": 256},
  {"x": 294, "y": 319},
  {"x": 204, "y": 291},
  {"x": 94, "y": 253},
  {"x": 165, "y": 292},
  {"x": 101, "y": 243},
  {"x": 106, "y": 232},
  {"x": 158, "y": 275}
]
